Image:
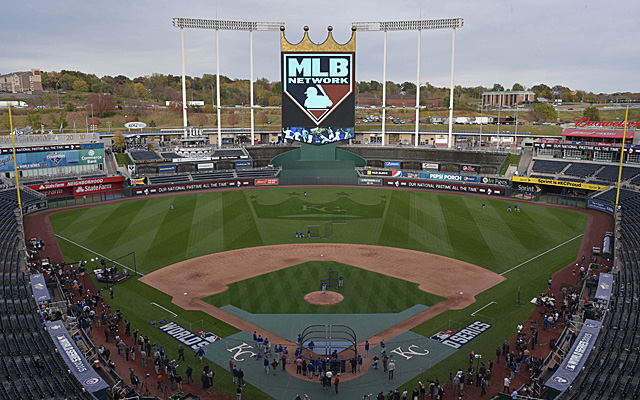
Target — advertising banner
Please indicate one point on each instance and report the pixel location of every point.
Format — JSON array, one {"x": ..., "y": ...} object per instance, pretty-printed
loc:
[
  {"x": 50, "y": 159},
  {"x": 589, "y": 147},
  {"x": 39, "y": 288},
  {"x": 605, "y": 283},
  {"x": 494, "y": 181},
  {"x": 553, "y": 182},
  {"x": 469, "y": 168},
  {"x": 458, "y": 187},
  {"x": 79, "y": 182},
  {"x": 166, "y": 168},
  {"x": 600, "y": 206},
  {"x": 184, "y": 336},
  {"x": 466, "y": 335},
  {"x": 451, "y": 177},
  {"x": 237, "y": 183},
  {"x": 430, "y": 165},
  {"x": 577, "y": 356},
  {"x": 370, "y": 181},
  {"x": 243, "y": 164},
  {"x": 50, "y": 147},
  {"x": 191, "y": 159},
  {"x": 392, "y": 164},
  {"x": 205, "y": 166},
  {"x": 377, "y": 172},
  {"x": 99, "y": 187},
  {"x": 35, "y": 206},
  {"x": 138, "y": 181},
  {"x": 266, "y": 182},
  {"x": 72, "y": 356}
]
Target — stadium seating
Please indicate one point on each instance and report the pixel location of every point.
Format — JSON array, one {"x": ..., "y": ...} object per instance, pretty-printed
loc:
[
  {"x": 612, "y": 367},
  {"x": 22, "y": 340},
  {"x": 209, "y": 176},
  {"x": 264, "y": 173},
  {"x": 610, "y": 173},
  {"x": 170, "y": 155},
  {"x": 548, "y": 167},
  {"x": 168, "y": 179},
  {"x": 582, "y": 170},
  {"x": 144, "y": 155},
  {"x": 230, "y": 153}
]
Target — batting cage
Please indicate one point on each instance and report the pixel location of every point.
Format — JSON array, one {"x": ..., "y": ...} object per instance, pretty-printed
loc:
[
  {"x": 328, "y": 346},
  {"x": 314, "y": 231},
  {"x": 331, "y": 281}
]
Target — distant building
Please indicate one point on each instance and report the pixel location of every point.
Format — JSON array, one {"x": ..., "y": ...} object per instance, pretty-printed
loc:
[
  {"x": 507, "y": 98},
  {"x": 21, "y": 82}
]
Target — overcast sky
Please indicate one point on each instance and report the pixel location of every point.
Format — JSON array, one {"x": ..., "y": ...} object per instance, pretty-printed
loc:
[{"x": 584, "y": 45}]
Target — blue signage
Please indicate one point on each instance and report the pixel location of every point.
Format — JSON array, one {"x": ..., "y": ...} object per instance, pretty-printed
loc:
[
  {"x": 600, "y": 206},
  {"x": 166, "y": 168},
  {"x": 452, "y": 177},
  {"x": 243, "y": 164},
  {"x": 392, "y": 164}
]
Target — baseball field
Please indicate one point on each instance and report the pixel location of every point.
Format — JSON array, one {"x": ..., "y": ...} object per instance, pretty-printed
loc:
[{"x": 524, "y": 247}]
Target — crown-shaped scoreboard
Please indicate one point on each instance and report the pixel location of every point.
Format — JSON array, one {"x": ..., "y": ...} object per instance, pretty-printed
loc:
[{"x": 318, "y": 89}]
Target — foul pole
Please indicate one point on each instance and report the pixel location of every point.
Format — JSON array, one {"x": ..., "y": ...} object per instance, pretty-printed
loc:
[
  {"x": 15, "y": 163},
  {"x": 624, "y": 134}
]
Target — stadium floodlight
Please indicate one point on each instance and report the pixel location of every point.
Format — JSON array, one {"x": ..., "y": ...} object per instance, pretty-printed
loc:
[
  {"x": 416, "y": 25},
  {"x": 199, "y": 23}
]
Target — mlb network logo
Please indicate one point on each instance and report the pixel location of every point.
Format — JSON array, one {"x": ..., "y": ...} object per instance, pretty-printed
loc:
[{"x": 318, "y": 82}]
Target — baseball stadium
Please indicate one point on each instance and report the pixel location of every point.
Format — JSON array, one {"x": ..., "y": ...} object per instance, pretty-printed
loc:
[{"x": 325, "y": 262}]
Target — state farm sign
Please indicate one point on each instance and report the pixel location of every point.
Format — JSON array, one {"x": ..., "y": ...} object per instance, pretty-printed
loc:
[
  {"x": 80, "y": 182},
  {"x": 85, "y": 189},
  {"x": 80, "y": 187}
]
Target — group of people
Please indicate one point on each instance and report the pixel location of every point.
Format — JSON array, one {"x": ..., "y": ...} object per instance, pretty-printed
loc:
[{"x": 88, "y": 308}]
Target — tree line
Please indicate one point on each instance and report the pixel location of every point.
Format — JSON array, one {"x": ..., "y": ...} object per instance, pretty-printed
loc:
[{"x": 160, "y": 88}]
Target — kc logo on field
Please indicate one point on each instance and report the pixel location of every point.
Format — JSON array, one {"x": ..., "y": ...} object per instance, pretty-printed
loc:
[
  {"x": 410, "y": 352},
  {"x": 240, "y": 350},
  {"x": 318, "y": 82}
]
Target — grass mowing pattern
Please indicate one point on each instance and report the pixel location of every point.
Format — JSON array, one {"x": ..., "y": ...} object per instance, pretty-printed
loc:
[
  {"x": 364, "y": 291},
  {"x": 449, "y": 225}
]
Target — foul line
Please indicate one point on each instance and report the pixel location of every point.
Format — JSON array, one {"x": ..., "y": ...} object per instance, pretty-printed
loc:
[
  {"x": 540, "y": 255},
  {"x": 474, "y": 313},
  {"x": 158, "y": 305},
  {"x": 98, "y": 254}
]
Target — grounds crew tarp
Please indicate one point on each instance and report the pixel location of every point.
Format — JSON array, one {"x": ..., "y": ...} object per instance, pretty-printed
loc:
[
  {"x": 39, "y": 288},
  {"x": 77, "y": 364},
  {"x": 575, "y": 359},
  {"x": 605, "y": 282}
]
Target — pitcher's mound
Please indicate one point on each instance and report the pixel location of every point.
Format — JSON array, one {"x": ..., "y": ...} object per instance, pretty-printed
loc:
[{"x": 326, "y": 299}]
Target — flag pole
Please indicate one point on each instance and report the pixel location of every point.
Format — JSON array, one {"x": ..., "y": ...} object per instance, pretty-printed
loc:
[
  {"x": 624, "y": 135},
  {"x": 15, "y": 164}
]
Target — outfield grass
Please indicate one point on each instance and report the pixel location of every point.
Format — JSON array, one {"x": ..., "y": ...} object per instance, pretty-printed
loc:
[
  {"x": 366, "y": 291},
  {"x": 449, "y": 225}
]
